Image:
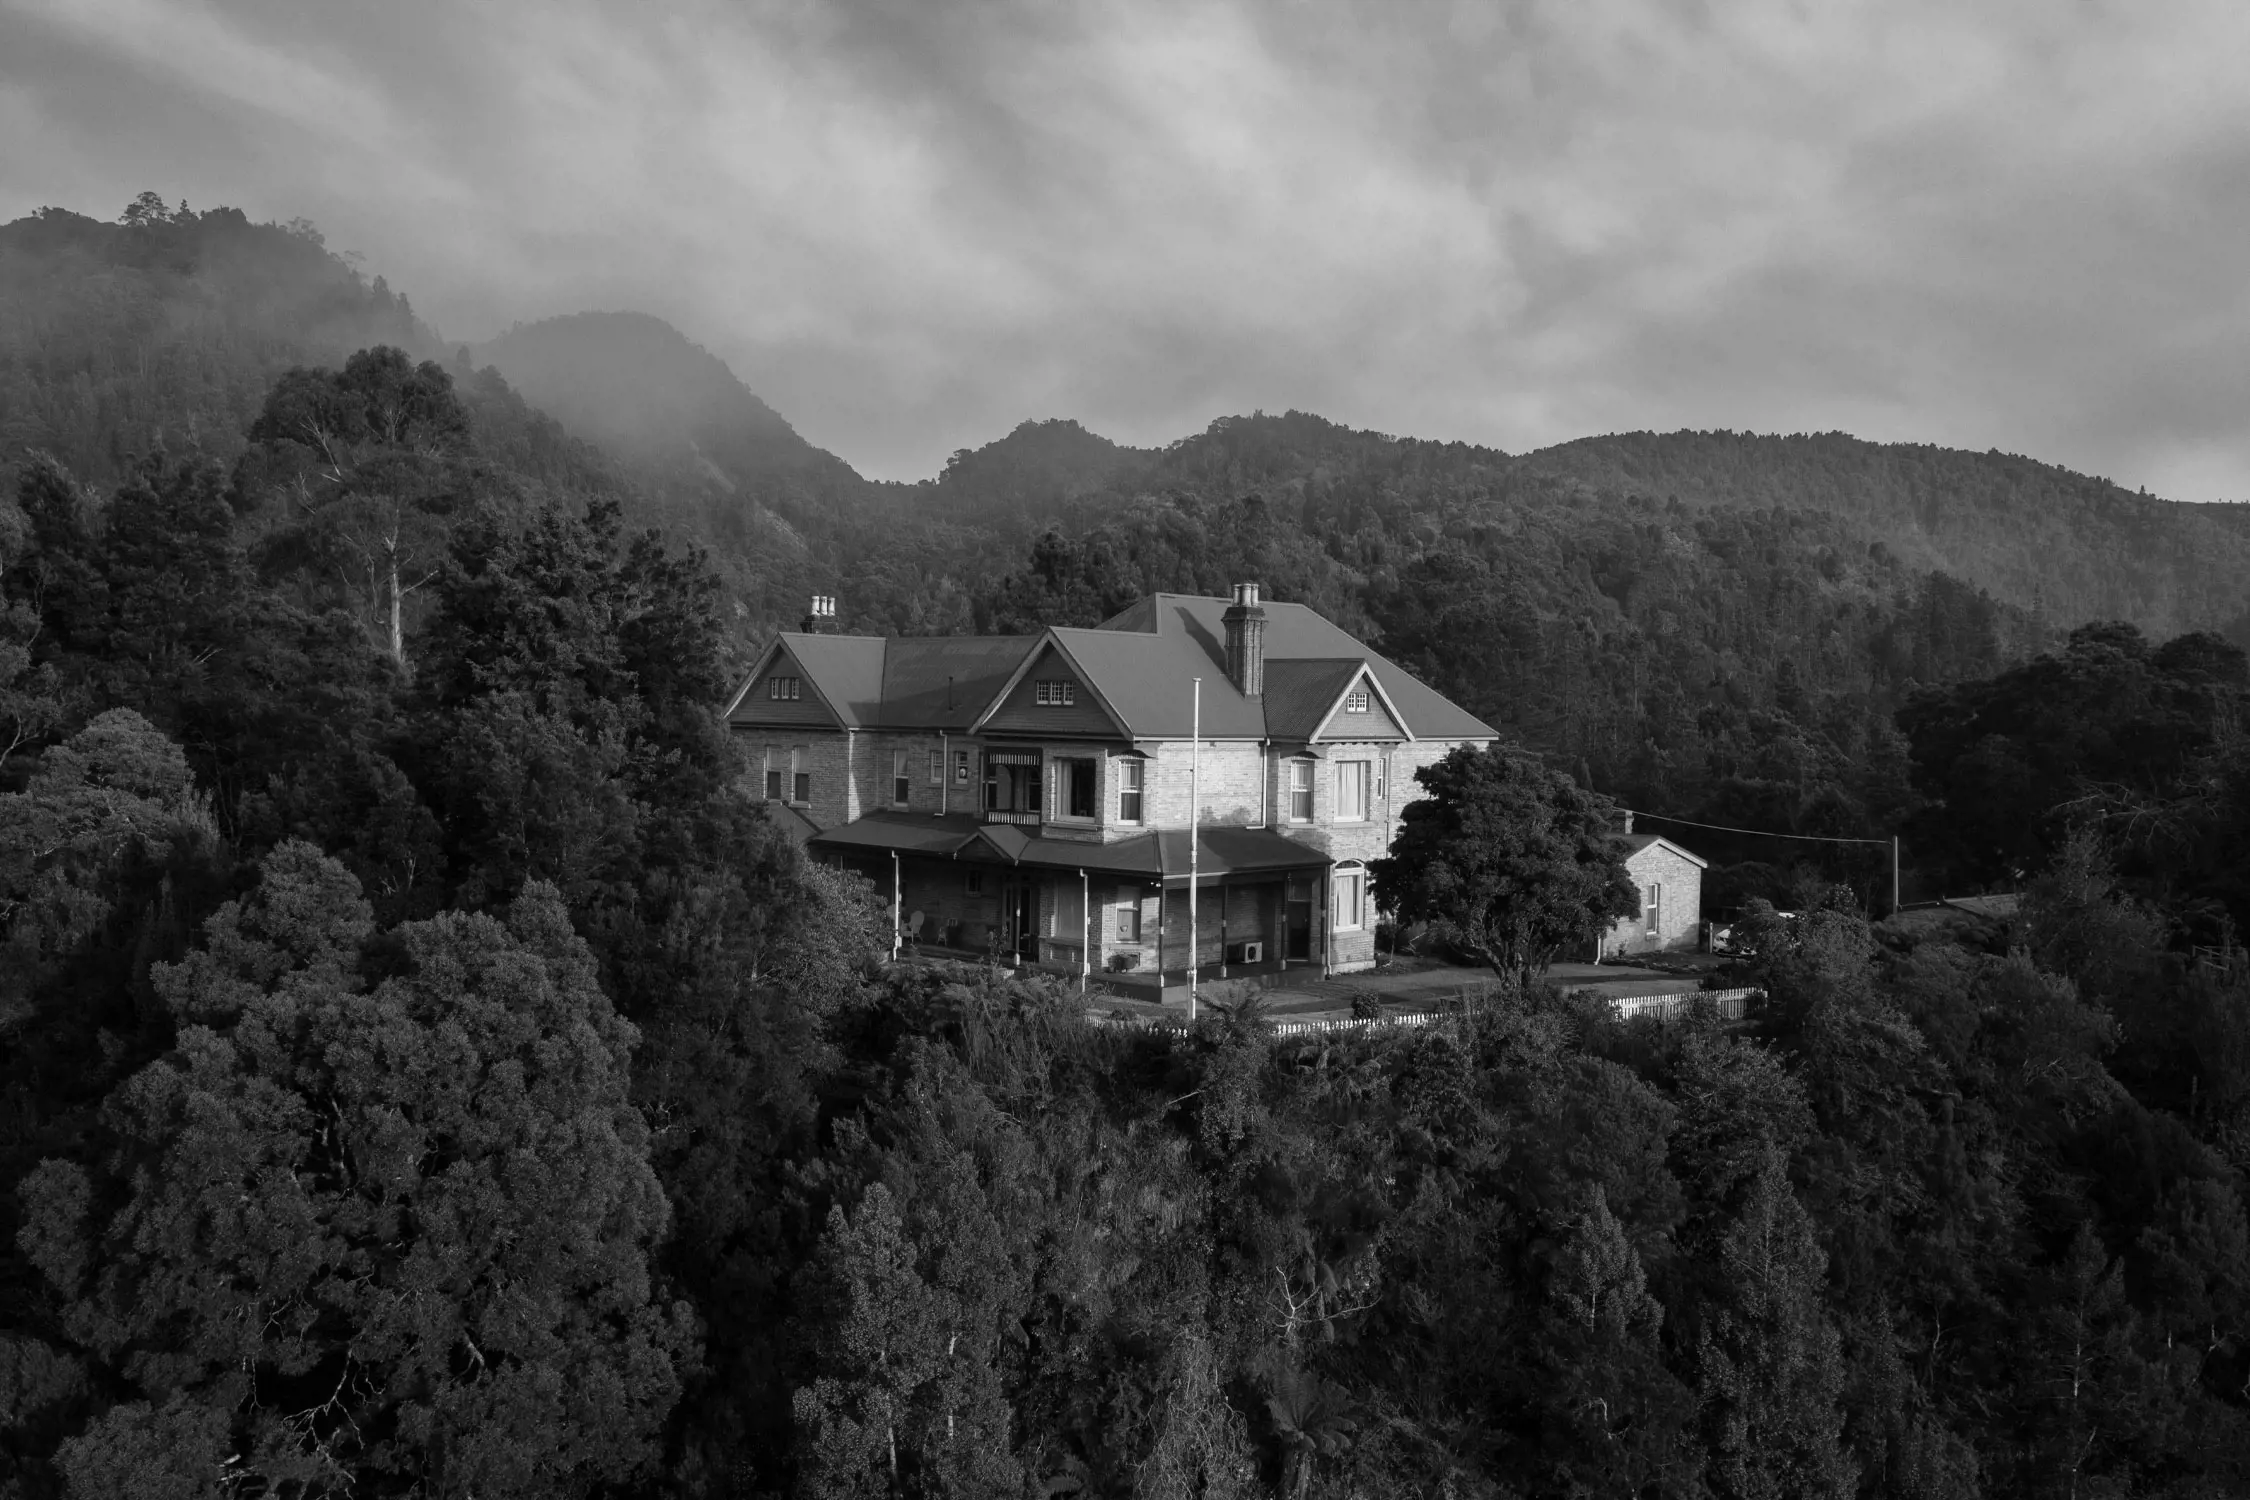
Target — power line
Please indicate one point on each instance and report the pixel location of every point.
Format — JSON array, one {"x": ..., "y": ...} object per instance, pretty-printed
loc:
[{"x": 1810, "y": 838}]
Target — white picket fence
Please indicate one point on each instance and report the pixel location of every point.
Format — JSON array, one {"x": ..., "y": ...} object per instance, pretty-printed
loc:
[{"x": 1728, "y": 1005}]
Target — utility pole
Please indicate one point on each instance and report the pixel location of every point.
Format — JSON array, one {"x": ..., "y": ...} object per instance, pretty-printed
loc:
[
  {"x": 1894, "y": 874},
  {"x": 1195, "y": 814}
]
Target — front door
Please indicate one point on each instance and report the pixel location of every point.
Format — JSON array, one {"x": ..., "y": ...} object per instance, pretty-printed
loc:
[{"x": 1297, "y": 922}]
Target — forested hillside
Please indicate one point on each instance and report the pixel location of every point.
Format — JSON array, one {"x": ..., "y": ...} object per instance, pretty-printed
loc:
[
  {"x": 424, "y": 1070},
  {"x": 2067, "y": 547}
]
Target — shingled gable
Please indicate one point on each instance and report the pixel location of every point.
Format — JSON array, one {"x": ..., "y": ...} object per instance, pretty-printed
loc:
[
  {"x": 1017, "y": 708},
  {"x": 1294, "y": 634},
  {"x": 878, "y": 682},
  {"x": 817, "y": 703},
  {"x": 1378, "y": 722}
]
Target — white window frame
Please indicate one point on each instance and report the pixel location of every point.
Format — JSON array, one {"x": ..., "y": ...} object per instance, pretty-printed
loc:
[
  {"x": 1652, "y": 908},
  {"x": 902, "y": 778},
  {"x": 800, "y": 779},
  {"x": 1299, "y": 770},
  {"x": 1054, "y": 692},
  {"x": 1128, "y": 925},
  {"x": 769, "y": 780},
  {"x": 1351, "y": 878},
  {"x": 962, "y": 768},
  {"x": 1132, "y": 781},
  {"x": 1059, "y": 798},
  {"x": 1355, "y": 701},
  {"x": 1363, "y": 773}
]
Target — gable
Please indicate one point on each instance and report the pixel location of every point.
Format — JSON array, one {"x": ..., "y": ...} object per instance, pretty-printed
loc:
[
  {"x": 1649, "y": 852},
  {"x": 1360, "y": 714},
  {"x": 1053, "y": 697},
  {"x": 782, "y": 694}
]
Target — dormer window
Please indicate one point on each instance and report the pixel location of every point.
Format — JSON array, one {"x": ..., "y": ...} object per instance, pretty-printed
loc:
[
  {"x": 1054, "y": 693},
  {"x": 1355, "y": 701},
  {"x": 784, "y": 689}
]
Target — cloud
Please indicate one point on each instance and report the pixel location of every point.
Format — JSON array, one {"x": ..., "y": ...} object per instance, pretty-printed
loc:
[{"x": 911, "y": 226}]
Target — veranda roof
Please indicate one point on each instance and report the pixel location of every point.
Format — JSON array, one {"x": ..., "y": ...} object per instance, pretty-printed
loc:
[{"x": 1160, "y": 857}]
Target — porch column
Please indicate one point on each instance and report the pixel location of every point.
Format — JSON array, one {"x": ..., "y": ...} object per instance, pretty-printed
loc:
[
  {"x": 895, "y": 882},
  {"x": 1086, "y": 933}
]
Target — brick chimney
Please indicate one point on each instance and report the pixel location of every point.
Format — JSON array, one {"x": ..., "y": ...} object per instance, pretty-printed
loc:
[{"x": 1246, "y": 641}]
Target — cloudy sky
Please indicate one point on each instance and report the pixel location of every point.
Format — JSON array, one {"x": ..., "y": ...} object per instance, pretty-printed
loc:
[{"x": 909, "y": 226}]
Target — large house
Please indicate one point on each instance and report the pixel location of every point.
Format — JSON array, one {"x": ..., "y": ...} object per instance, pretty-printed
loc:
[{"x": 1029, "y": 796}]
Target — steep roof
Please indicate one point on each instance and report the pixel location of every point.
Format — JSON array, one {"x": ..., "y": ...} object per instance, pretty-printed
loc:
[
  {"x": 1635, "y": 843},
  {"x": 1141, "y": 665},
  {"x": 1301, "y": 690},
  {"x": 1293, "y": 633},
  {"x": 903, "y": 682}
]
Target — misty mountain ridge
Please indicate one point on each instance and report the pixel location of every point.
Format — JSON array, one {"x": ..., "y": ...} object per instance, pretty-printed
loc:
[
  {"x": 638, "y": 387},
  {"x": 115, "y": 339}
]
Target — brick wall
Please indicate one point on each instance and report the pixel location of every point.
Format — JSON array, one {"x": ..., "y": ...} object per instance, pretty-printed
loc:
[
  {"x": 830, "y": 759},
  {"x": 1680, "y": 917},
  {"x": 1229, "y": 781}
]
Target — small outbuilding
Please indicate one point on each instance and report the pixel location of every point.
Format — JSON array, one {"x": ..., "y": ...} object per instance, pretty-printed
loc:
[{"x": 1670, "y": 880}]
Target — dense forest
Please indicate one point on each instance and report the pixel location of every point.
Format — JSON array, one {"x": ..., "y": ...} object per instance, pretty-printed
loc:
[{"x": 424, "y": 1071}]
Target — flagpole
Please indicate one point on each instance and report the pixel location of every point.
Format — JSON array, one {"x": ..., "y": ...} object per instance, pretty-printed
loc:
[{"x": 1195, "y": 812}]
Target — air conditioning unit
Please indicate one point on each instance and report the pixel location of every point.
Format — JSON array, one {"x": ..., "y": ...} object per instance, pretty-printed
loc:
[{"x": 1246, "y": 953}]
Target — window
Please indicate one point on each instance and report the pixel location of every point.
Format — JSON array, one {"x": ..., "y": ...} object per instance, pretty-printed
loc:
[
  {"x": 800, "y": 779},
  {"x": 937, "y": 768},
  {"x": 960, "y": 768},
  {"x": 1074, "y": 788},
  {"x": 1353, "y": 778},
  {"x": 972, "y": 883},
  {"x": 1351, "y": 900},
  {"x": 1355, "y": 701},
  {"x": 1055, "y": 693},
  {"x": 902, "y": 782},
  {"x": 1652, "y": 908},
  {"x": 1011, "y": 781},
  {"x": 1129, "y": 921},
  {"x": 1129, "y": 783},
  {"x": 782, "y": 689},
  {"x": 1300, "y": 791}
]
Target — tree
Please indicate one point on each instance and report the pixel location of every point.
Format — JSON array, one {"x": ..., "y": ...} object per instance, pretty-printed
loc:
[
  {"x": 904, "y": 1402},
  {"x": 369, "y": 506},
  {"x": 1510, "y": 860},
  {"x": 1772, "y": 1363},
  {"x": 149, "y": 208},
  {"x": 116, "y": 791},
  {"x": 1609, "y": 1418},
  {"x": 382, "y": 1219}
]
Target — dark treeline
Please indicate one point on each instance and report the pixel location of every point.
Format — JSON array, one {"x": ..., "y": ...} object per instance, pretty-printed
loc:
[{"x": 424, "y": 1072}]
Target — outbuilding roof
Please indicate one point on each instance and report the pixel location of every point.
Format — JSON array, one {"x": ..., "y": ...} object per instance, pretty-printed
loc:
[{"x": 1635, "y": 843}]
